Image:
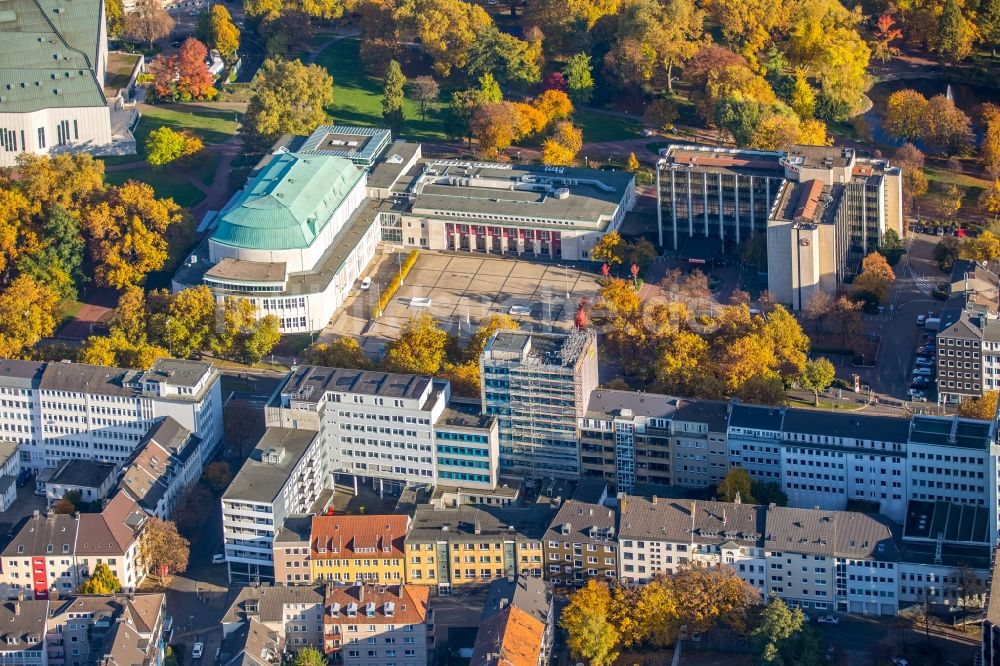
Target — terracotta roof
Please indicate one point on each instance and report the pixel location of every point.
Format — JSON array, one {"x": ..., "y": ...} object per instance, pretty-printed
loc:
[
  {"x": 348, "y": 537},
  {"x": 377, "y": 604},
  {"x": 509, "y": 638},
  {"x": 112, "y": 531}
]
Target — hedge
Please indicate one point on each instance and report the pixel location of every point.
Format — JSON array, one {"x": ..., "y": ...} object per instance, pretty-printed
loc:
[{"x": 395, "y": 282}]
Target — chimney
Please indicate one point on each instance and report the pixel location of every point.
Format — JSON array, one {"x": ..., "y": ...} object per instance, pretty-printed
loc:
[
  {"x": 654, "y": 500},
  {"x": 737, "y": 499},
  {"x": 694, "y": 509},
  {"x": 723, "y": 516}
]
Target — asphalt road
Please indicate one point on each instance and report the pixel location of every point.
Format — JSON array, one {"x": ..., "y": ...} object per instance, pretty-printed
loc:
[{"x": 916, "y": 277}]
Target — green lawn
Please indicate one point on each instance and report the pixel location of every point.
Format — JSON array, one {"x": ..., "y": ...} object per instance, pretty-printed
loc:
[
  {"x": 598, "y": 127},
  {"x": 357, "y": 97},
  {"x": 166, "y": 182},
  {"x": 213, "y": 126}
]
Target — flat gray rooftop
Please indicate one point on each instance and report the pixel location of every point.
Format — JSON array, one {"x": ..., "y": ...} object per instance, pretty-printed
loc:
[
  {"x": 309, "y": 383},
  {"x": 259, "y": 481},
  {"x": 548, "y": 195},
  {"x": 463, "y": 413}
]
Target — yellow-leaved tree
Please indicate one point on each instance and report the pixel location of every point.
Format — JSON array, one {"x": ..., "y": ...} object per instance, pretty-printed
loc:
[{"x": 592, "y": 635}]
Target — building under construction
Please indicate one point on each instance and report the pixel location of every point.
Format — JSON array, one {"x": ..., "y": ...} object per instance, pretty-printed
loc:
[{"x": 538, "y": 386}]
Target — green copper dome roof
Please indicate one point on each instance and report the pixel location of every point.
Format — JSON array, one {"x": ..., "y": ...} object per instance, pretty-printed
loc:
[{"x": 288, "y": 203}]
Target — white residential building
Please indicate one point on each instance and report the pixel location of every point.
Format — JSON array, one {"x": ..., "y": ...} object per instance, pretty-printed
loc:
[
  {"x": 10, "y": 470},
  {"x": 829, "y": 458},
  {"x": 285, "y": 475},
  {"x": 820, "y": 560},
  {"x": 71, "y": 410},
  {"x": 167, "y": 462}
]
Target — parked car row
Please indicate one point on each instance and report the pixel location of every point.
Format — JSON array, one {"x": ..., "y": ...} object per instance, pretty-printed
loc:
[{"x": 922, "y": 375}]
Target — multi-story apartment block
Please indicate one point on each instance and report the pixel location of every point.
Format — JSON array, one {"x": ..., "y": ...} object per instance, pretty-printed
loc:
[
  {"x": 165, "y": 464},
  {"x": 538, "y": 386},
  {"x": 529, "y": 595},
  {"x": 625, "y": 438},
  {"x": 378, "y": 625},
  {"x": 658, "y": 536},
  {"x": 819, "y": 560},
  {"x": 628, "y": 438},
  {"x": 290, "y": 551},
  {"x": 580, "y": 544},
  {"x": 295, "y": 613},
  {"x": 828, "y": 458},
  {"x": 285, "y": 475},
  {"x": 358, "y": 549},
  {"x": 466, "y": 446},
  {"x": 23, "y": 626},
  {"x": 754, "y": 436},
  {"x": 950, "y": 460},
  {"x": 10, "y": 469},
  {"x": 55, "y": 553},
  {"x": 373, "y": 425},
  {"x": 822, "y": 209},
  {"x": 945, "y": 554},
  {"x": 107, "y": 629},
  {"x": 112, "y": 537},
  {"x": 70, "y": 410},
  {"x": 473, "y": 545}
]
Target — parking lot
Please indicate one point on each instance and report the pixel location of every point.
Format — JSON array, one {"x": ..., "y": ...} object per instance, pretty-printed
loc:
[{"x": 459, "y": 290}]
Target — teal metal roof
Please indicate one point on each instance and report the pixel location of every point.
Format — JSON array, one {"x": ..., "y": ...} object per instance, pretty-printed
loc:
[
  {"x": 288, "y": 203},
  {"x": 49, "y": 55}
]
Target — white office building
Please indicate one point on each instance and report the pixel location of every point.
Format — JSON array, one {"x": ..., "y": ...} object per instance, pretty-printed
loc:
[
  {"x": 285, "y": 475},
  {"x": 70, "y": 410}
]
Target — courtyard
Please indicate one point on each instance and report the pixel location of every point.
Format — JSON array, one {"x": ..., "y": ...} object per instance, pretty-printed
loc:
[{"x": 460, "y": 290}]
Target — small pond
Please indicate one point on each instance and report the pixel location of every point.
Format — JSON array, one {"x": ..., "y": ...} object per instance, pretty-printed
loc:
[{"x": 967, "y": 98}]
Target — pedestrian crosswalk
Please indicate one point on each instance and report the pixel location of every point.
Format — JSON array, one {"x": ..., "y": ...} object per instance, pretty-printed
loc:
[{"x": 922, "y": 283}]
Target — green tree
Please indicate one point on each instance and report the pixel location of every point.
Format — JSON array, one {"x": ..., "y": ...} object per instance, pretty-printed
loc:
[
  {"x": 489, "y": 90},
  {"x": 102, "y": 581},
  {"x": 989, "y": 23},
  {"x": 946, "y": 252},
  {"x": 340, "y": 353},
  {"x": 956, "y": 34},
  {"x": 420, "y": 348},
  {"x": 510, "y": 59},
  {"x": 392, "y": 96},
  {"x": 769, "y": 492},
  {"x": 892, "y": 247},
  {"x": 736, "y": 482},
  {"x": 592, "y": 635},
  {"x": 309, "y": 656},
  {"x": 580, "y": 78},
  {"x": 776, "y": 624},
  {"x": 288, "y": 98},
  {"x": 817, "y": 376},
  {"x": 164, "y": 145}
]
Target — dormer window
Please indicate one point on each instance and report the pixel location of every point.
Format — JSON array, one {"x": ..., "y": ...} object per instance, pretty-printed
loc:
[
  {"x": 48, "y": 548},
  {"x": 370, "y": 609},
  {"x": 352, "y": 610}
]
